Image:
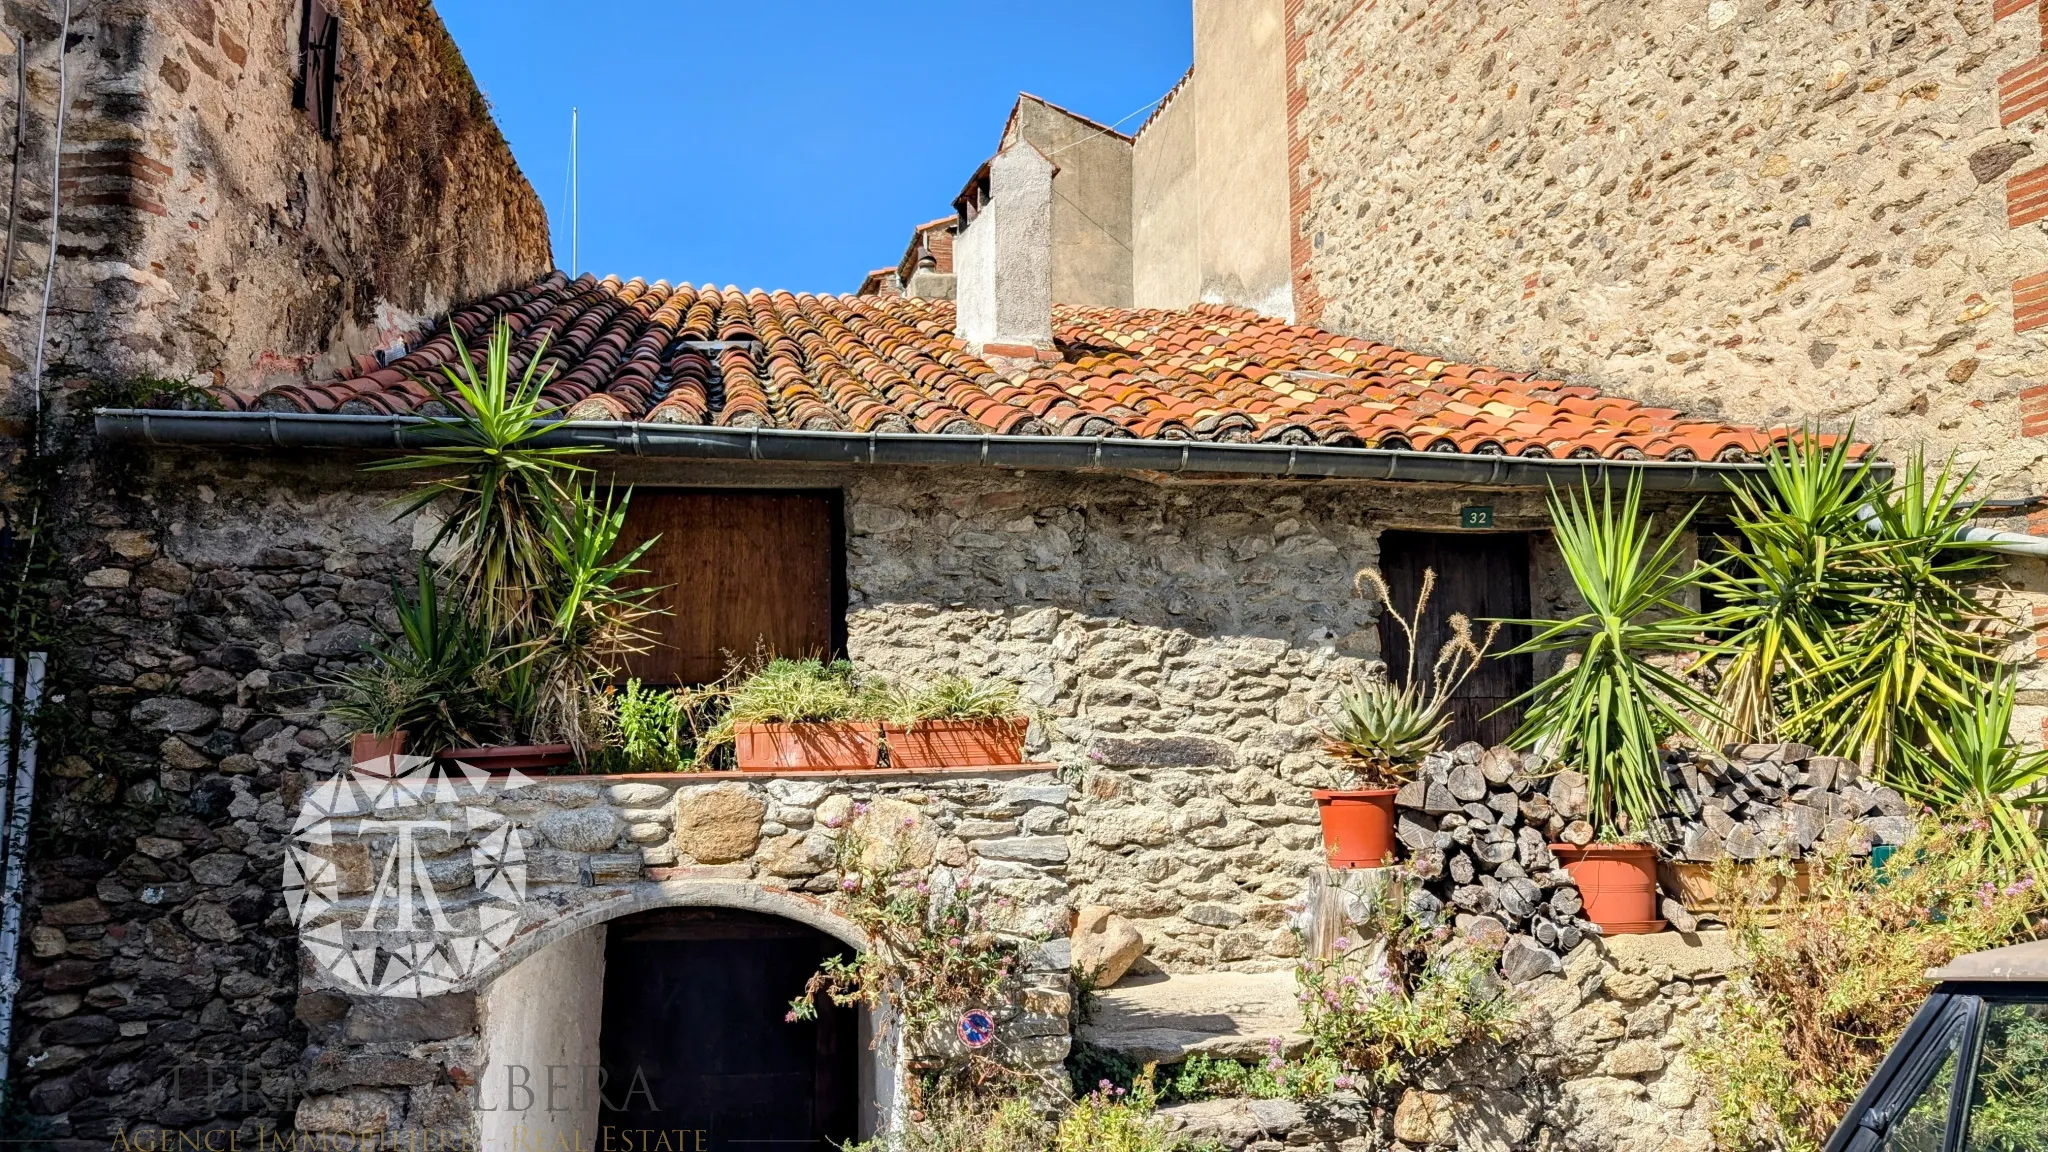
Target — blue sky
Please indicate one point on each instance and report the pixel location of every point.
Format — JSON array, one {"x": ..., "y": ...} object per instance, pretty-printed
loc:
[{"x": 789, "y": 143}]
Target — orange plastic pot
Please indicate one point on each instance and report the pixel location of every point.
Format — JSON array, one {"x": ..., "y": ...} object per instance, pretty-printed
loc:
[
  {"x": 509, "y": 757},
  {"x": 817, "y": 746},
  {"x": 1618, "y": 883},
  {"x": 1358, "y": 826},
  {"x": 956, "y": 743},
  {"x": 374, "y": 750}
]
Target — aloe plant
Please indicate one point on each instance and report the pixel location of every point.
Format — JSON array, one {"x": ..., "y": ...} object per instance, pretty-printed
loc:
[
  {"x": 1607, "y": 712},
  {"x": 1383, "y": 728}
]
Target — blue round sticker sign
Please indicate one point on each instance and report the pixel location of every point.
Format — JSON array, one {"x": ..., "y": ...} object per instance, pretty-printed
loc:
[{"x": 977, "y": 1028}]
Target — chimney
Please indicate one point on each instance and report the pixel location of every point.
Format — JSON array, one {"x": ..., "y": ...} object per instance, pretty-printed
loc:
[{"x": 1002, "y": 257}]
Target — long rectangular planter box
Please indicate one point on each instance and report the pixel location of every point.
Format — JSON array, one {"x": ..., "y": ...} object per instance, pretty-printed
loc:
[
  {"x": 786, "y": 747},
  {"x": 956, "y": 743}
]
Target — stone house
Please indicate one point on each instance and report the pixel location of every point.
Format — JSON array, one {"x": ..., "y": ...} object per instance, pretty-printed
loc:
[{"x": 1148, "y": 518}]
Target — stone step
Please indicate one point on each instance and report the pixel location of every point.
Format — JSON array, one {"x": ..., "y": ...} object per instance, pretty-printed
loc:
[{"x": 1165, "y": 1017}]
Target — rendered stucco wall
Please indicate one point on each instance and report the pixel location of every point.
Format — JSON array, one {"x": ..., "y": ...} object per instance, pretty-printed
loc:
[
  {"x": 1166, "y": 208},
  {"x": 1210, "y": 171},
  {"x": 209, "y": 231},
  {"x": 1091, "y": 204},
  {"x": 1240, "y": 88},
  {"x": 1003, "y": 258},
  {"x": 1768, "y": 212},
  {"x": 540, "y": 1027}
]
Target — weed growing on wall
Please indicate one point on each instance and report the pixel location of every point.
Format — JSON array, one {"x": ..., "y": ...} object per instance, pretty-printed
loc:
[
  {"x": 1830, "y": 982},
  {"x": 930, "y": 956}
]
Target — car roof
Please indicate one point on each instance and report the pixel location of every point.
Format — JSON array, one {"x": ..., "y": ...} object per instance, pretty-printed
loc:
[{"x": 2017, "y": 962}]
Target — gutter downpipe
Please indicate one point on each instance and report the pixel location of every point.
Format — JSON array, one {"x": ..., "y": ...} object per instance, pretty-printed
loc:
[{"x": 695, "y": 442}]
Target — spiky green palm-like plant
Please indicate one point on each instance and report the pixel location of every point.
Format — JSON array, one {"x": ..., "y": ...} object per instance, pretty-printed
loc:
[
  {"x": 1973, "y": 771},
  {"x": 1607, "y": 713}
]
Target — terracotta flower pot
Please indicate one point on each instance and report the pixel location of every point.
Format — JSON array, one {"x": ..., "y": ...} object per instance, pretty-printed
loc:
[
  {"x": 1692, "y": 885},
  {"x": 375, "y": 749},
  {"x": 1618, "y": 883},
  {"x": 524, "y": 757},
  {"x": 836, "y": 744},
  {"x": 956, "y": 743},
  {"x": 1358, "y": 826}
]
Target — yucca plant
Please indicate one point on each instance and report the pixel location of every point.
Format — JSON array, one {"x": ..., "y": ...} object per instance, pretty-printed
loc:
[
  {"x": 1383, "y": 728},
  {"x": 1787, "y": 579},
  {"x": 1972, "y": 771},
  {"x": 498, "y": 486},
  {"x": 1914, "y": 643},
  {"x": 590, "y": 617},
  {"x": 1607, "y": 712},
  {"x": 428, "y": 681}
]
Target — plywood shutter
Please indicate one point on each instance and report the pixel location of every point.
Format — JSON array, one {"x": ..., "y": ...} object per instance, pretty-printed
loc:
[
  {"x": 1482, "y": 574},
  {"x": 741, "y": 569}
]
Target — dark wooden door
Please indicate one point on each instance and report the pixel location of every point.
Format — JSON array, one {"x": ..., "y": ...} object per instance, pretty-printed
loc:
[
  {"x": 694, "y": 1044},
  {"x": 1484, "y": 575},
  {"x": 739, "y": 570}
]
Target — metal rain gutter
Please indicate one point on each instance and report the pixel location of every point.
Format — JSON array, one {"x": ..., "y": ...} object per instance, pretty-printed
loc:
[{"x": 786, "y": 446}]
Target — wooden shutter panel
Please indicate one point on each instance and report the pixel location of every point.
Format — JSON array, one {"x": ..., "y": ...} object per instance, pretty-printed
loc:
[
  {"x": 319, "y": 64},
  {"x": 741, "y": 569}
]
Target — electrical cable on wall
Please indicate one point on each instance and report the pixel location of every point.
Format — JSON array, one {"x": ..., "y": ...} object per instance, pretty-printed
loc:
[{"x": 56, "y": 205}]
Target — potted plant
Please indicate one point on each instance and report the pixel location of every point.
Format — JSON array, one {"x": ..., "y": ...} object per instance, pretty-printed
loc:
[
  {"x": 953, "y": 722},
  {"x": 1383, "y": 730},
  {"x": 420, "y": 687},
  {"x": 1607, "y": 713},
  {"x": 798, "y": 715},
  {"x": 1617, "y": 878}
]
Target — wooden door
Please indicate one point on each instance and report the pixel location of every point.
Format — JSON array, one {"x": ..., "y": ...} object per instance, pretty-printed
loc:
[
  {"x": 1484, "y": 575},
  {"x": 693, "y": 1043},
  {"x": 738, "y": 570}
]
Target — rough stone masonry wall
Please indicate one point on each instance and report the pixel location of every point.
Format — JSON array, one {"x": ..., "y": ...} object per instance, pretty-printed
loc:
[
  {"x": 1598, "y": 1064},
  {"x": 1185, "y": 643},
  {"x": 410, "y": 1071},
  {"x": 209, "y": 231},
  {"x": 1183, "y": 640},
  {"x": 1775, "y": 211}
]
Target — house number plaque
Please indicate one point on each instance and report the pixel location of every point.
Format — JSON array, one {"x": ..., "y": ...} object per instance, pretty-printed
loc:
[{"x": 1477, "y": 516}]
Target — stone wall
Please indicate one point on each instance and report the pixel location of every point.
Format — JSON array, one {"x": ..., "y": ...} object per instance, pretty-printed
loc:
[
  {"x": 1185, "y": 643},
  {"x": 209, "y": 231},
  {"x": 1597, "y": 1064},
  {"x": 1773, "y": 211},
  {"x": 409, "y": 1070}
]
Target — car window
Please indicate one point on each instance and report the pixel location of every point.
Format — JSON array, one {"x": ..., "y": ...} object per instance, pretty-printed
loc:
[
  {"x": 2009, "y": 1100},
  {"x": 1925, "y": 1122}
]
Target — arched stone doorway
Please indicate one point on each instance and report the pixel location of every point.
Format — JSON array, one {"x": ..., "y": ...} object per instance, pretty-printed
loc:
[
  {"x": 694, "y": 1046},
  {"x": 685, "y": 984}
]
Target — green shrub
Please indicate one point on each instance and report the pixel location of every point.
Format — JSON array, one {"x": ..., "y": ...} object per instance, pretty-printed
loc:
[
  {"x": 1206, "y": 1077},
  {"x": 1824, "y": 991},
  {"x": 648, "y": 728}
]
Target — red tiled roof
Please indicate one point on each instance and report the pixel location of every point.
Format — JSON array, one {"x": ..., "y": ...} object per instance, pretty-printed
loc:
[{"x": 634, "y": 351}]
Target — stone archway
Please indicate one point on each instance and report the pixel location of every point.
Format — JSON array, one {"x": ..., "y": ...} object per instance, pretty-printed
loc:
[{"x": 569, "y": 1012}]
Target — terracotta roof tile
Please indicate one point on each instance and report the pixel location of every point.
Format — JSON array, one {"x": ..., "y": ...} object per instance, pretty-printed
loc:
[{"x": 630, "y": 350}]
